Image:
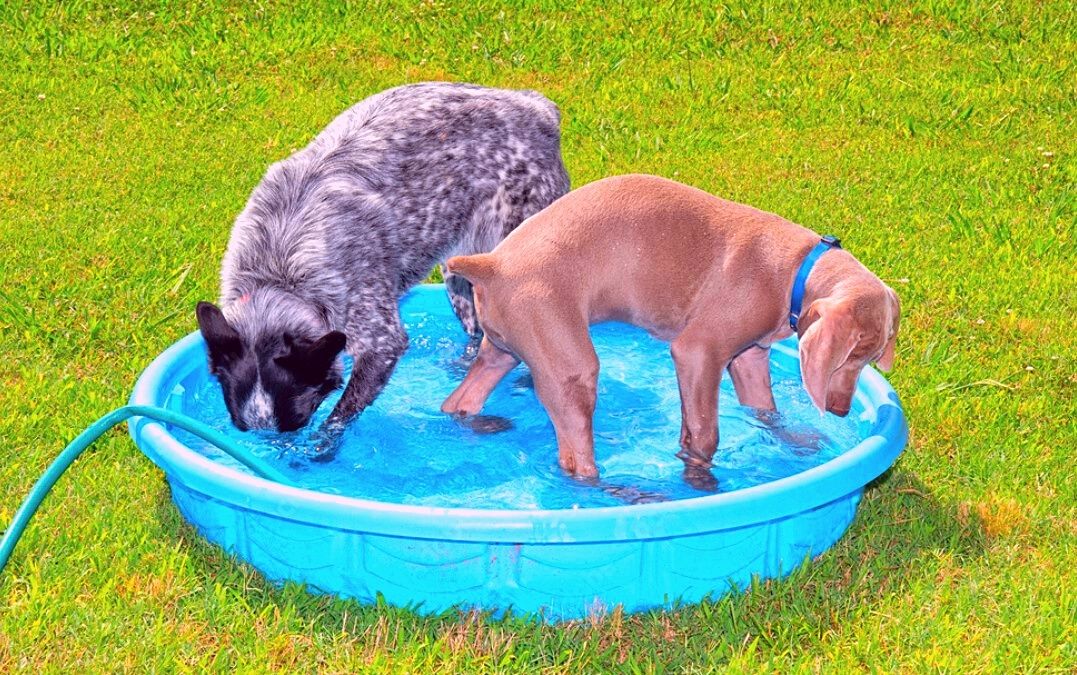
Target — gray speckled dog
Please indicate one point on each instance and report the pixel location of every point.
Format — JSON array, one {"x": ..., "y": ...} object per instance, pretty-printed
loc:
[{"x": 336, "y": 233}]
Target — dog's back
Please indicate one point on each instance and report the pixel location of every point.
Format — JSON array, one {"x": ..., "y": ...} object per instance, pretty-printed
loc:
[
  {"x": 646, "y": 243},
  {"x": 398, "y": 181}
]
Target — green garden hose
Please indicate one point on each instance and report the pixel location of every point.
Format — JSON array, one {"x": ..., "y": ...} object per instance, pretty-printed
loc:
[{"x": 96, "y": 430}]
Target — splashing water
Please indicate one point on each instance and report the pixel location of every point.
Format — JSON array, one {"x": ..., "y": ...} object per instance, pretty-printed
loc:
[{"x": 404, "y": 450}]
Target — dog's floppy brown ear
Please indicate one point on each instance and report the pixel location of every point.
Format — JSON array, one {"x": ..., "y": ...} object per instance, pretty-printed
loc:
[
  {"x": 886, "y": 361},
  {"x": 475, "y": 268},
  {"x": 825, "y": 344}
]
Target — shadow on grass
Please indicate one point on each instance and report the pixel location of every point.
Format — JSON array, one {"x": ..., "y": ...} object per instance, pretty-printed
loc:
[{"x": 902, "y": 535}]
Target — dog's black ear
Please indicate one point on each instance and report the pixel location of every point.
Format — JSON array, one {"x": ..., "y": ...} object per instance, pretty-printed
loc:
[
  {"x": 222, "y": 341},
  {"x": 311, "y": 361}
]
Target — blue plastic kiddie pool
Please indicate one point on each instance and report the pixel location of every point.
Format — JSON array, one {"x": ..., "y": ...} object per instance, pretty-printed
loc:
[{"x": 431, "y": 514}]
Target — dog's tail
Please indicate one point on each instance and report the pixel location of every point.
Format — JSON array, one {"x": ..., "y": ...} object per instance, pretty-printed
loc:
[{"x": 475, "y": 268}]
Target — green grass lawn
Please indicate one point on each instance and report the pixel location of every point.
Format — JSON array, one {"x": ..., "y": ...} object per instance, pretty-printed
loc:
[{"x": 937, "y": 140}]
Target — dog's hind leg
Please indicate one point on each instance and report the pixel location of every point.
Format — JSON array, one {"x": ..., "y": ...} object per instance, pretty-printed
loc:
[{"x": 488, "y": 226}]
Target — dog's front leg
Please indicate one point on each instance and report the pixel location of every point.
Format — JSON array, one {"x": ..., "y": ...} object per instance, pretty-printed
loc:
[
  {"x": 569, "y": 398},
  {"x": 750, "y": 371},
  {"x": 369, "y": 375},
  {"x": 370, "y": 372},
  {"x": 376, "y": 343},
  {"x": 699, "y": 364}
]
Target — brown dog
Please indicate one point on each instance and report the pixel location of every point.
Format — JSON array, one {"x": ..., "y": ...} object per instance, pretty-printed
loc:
[{"x": 711, "y": 276}]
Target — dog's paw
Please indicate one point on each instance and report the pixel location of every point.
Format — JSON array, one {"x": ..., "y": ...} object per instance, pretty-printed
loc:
[
  {"x": 458, "y": 367},
  {"x": 485, "y": 424},
  {"x": 524, "y": 383},
  {"x": 584, "y": 470},
  {"x": 700, "y": 478},
  {"x": 803, "y": 441},
  {"x": 325, "y": 444},
  {"x": 471, "y": 349},
  {"x": 324, "y": 457}
]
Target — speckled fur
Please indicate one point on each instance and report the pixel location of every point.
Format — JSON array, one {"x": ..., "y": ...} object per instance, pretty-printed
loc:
[{"x": 336, "y": 233}]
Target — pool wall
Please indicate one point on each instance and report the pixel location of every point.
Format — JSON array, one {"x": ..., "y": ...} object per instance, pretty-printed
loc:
[{"x": 560, "y": 580}]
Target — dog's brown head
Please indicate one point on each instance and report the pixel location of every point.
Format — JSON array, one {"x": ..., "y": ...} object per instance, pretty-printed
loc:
[{"x": 839, "y": 336}]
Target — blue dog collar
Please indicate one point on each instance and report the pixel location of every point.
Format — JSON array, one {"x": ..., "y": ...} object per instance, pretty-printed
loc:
[{"x": 828, "y": 242}]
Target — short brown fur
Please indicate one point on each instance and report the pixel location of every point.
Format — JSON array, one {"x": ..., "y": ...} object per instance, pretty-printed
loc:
[{"x": 710, "y": 276}]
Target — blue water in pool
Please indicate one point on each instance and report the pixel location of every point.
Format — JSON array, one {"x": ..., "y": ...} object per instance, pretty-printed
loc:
[{"x": 404, "y": 450}]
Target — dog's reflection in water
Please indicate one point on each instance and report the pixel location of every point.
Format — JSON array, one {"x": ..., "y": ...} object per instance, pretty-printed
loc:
[
  {"x": 802, "y": 440},
  {"x": 484, "y": 424},
  {"x": 629, "y": 494}
]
